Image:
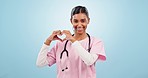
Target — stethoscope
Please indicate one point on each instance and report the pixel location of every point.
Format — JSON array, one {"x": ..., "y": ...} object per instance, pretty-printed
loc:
[{"x": 65, "y": 50}]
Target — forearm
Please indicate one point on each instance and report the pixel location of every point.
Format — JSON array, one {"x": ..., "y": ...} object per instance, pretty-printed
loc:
[
  {"x": 42, "y": 56},
  {"x": 87, "y": 57}
]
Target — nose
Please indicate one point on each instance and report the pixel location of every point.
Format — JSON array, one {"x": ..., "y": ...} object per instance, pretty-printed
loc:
[{"x": 79, "y": 25}]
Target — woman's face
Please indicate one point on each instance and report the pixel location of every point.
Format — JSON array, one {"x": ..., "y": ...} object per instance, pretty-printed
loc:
[{"x": 79, "y": 22}]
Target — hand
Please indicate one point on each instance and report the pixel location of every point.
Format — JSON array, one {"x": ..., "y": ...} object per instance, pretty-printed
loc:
[
  {"x": 53, "y": 36},
  {"x": 68, "y": 35}
]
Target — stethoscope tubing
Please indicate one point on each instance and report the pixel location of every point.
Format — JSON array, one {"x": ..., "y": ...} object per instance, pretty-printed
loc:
[{"x": 65, "y": 50}]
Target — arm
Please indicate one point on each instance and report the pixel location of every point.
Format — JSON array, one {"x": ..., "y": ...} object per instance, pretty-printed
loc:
[
  {"x": 97, "y": 51},
  {"x": 87, "y": 57},
  {"x": 42, "y": 56}
]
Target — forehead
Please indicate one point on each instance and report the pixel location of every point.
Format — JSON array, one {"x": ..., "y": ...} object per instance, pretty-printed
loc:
[{"x": 79, "y": 16}]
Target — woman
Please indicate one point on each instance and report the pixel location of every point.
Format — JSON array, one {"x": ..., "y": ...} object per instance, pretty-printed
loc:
[{"x": 77, "y": 54}]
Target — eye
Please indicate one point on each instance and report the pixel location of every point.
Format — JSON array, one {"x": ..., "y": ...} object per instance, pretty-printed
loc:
[
  {"x": 75, "y": 21},
  {"x": 83, "y": 20}
]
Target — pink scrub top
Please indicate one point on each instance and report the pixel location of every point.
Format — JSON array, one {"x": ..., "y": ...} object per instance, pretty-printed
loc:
[{"x": 76, "y": 67}]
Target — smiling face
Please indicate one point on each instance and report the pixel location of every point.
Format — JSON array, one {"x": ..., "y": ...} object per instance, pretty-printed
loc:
[{"x": 80, "y": 22}]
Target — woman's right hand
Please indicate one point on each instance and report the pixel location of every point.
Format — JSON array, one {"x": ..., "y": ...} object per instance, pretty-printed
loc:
[{"x": 53, "y": 36}]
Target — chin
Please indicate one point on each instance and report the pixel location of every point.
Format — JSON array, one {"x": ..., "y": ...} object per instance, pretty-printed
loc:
[{"x": 80, "y": 33}]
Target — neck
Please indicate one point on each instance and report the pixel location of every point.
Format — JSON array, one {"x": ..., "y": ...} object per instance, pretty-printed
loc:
[{"x": 80, "y": 36}]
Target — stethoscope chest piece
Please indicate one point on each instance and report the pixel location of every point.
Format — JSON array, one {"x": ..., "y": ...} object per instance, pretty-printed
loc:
[{"x": 64, "y": 59}]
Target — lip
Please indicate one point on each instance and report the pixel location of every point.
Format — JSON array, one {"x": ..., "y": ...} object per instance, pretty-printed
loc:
[{"x": 79, "y": 30}]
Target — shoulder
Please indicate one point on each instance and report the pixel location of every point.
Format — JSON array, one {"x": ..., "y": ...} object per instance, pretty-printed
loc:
[{"x": 95, "y": 39}]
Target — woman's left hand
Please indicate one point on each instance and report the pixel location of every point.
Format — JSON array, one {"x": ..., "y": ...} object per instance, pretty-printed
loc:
[{"x": 68, "y": 36}]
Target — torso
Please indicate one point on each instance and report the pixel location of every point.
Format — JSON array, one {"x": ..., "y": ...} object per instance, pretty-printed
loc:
[{"x": 76, "y": 67}]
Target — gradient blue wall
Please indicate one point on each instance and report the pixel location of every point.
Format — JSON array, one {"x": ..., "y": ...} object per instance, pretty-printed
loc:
[{"x": 121, "y": 24}]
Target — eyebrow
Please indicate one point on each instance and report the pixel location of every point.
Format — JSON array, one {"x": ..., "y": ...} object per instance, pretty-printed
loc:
[
  {"x": 80, "y": 19},
  {"x": 83, "y": 19}
]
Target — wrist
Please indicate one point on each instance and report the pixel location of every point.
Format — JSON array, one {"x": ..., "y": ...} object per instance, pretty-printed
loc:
[
  {"x": 47, "y": 42},
  {"x": 73, "y": 40}
]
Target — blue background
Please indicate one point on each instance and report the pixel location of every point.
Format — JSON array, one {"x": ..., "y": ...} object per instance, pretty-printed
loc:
[{"x": 121, "y": 24}]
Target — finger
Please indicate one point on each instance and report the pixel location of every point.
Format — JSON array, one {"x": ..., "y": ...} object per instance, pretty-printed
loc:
[
  {"x": 59, "y": 32},
  {"x": 64, "y": 39},
  {"x": 65, "y": 32},
  {"x": 50, "y": 37},
  {"x": 55, "y": 37},
  {"x": 59, "y": 39},
  {"x": 56, "y": 31}
]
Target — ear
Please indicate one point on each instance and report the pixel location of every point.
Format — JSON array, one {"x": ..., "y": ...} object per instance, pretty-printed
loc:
[{"x": 71, "y": 21}]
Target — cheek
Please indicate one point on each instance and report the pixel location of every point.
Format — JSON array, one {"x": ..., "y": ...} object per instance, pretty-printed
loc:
[
  {"x": 84, "y": 27},
  {"x": 75, "y": 27}
]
